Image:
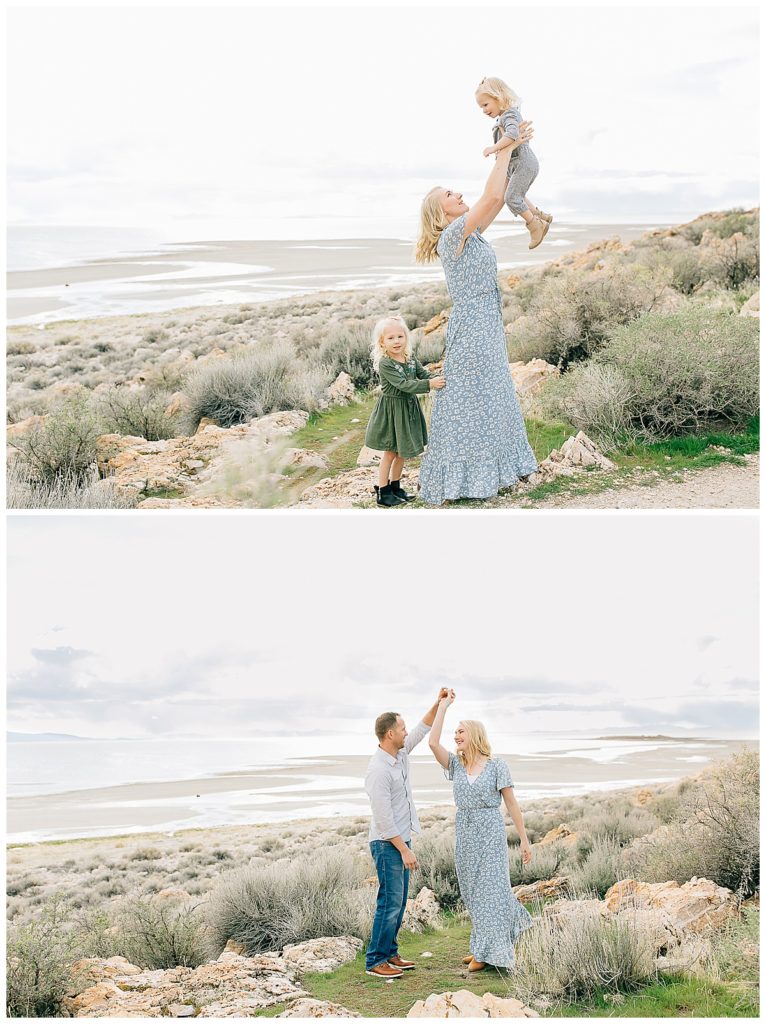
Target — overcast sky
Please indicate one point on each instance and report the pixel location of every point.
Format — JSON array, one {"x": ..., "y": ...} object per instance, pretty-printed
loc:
[
  {"x": 247, "y": 626},
  {"x": 284, "y": 122}
]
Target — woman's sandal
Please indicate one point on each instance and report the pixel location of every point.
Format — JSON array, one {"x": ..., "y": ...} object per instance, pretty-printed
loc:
[
  {"x": 468, "y": 959},
  {"x": 475, "y": 965}
]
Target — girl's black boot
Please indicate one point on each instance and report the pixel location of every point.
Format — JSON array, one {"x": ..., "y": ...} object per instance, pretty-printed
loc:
[
  {"x": 399, "y": 491},
  {"x": 386, "y": 497}
]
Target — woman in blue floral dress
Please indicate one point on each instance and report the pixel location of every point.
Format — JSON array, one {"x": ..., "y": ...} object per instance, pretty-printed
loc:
[
  {"x": 480, "y": 781},
  {"x": 478, "y": 442}
]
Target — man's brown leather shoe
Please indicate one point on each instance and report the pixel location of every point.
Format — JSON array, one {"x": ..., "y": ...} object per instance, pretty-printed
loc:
[
  {"x": 403, "y": 965},
  {"x": 385, "y": 971}
]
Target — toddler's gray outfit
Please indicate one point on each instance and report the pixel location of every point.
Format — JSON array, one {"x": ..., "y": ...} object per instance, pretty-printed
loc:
[{"x": 523, "y": 166}]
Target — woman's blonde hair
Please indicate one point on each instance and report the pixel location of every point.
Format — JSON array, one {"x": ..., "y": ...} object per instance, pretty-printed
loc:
[
  {"x": 477, "y": 744},
  {"x": 432, "y": 222},
  {"x": 500, "y": 91},
  {"x": 376, "y": 348}
]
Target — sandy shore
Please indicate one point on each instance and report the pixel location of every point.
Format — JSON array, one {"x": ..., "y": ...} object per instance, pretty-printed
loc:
[
  {"x": 227, "y": 272},
  {"x": 331, "y": 787}
]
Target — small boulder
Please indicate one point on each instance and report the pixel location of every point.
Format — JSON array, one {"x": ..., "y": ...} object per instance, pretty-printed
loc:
[
  {"x": 753, "y": 306},
  {"x": 320, "y": 956},
  {"x": 545, "y": 889},
  {"x": 342, "y": 389},
  {"x": 368, "y": 457},
  {"x": 306, "y": 459},
  {"x": 469, "y": 1005},
  {"x": 561, "y": 833},
  {"x": 316, "y": 1008},
  {"x": 422, "y": 912},
  {"x": 436, "y": 322}
]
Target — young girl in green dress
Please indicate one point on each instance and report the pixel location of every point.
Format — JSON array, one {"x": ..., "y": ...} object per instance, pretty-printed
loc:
[{"x": 397, "y": 426}]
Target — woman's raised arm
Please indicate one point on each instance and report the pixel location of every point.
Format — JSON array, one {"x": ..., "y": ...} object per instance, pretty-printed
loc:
[
  {"x": 484, "y": 211},
  {"x": 434, "y": 739}
]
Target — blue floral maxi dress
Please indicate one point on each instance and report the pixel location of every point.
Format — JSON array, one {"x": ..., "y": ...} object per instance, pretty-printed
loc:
[
  {"x": 481, "y": 860},
  {"x": 478, "y": 442}
]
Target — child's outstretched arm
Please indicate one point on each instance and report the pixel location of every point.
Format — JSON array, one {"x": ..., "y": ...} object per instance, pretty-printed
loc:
[
  {"x": 485, "y": 209},
  {"x": 502, "y": 143},
  {"x": 407, "y": 385}
]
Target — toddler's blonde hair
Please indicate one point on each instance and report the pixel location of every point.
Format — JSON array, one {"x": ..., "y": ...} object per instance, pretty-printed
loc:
[
  {"x": 376, "y": 348},
  {"x": 477, "y": 744},
  {"x": 500, "y": 91},
  {"x": 432, "y": 222}
]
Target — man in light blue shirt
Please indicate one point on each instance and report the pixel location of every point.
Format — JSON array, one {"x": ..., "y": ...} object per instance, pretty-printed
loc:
[{"x": 394, "y": 819}]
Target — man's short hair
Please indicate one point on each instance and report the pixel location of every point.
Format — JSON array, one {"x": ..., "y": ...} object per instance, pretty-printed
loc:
[{"x": 385, "y": 722}]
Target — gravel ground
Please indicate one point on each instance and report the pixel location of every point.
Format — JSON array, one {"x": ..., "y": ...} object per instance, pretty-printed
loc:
[{"x": 724, "y": 486}]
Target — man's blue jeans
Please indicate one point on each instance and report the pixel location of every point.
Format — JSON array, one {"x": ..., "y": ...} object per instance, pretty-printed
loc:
[{"x": 393, "y": 883}]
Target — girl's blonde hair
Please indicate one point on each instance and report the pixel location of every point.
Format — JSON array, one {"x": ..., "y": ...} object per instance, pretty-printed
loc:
[
  {"x": 432, "y": 222},
  {"x": 477, "y": 744},
  {"x": 376, "y": 348},
  {"x": 500, "y": 91}
]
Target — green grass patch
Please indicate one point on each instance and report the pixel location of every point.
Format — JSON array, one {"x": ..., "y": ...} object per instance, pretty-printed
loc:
[
  {"x": 673, "y": 997},
  {"x": 443, "y": 972},
  {"x": 349, "y": 986},
  {"x": 334, "y": 434}
]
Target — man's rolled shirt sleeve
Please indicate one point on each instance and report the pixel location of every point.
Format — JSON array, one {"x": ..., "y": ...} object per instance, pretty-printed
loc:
[{"x": 420, "y": 731}]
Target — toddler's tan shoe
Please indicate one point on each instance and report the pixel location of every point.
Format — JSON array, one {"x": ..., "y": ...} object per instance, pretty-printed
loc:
[
  {"x": 476, "y": 965},
  {"x": 468, "y": 959},
  {"x": 537, "y": 231}
]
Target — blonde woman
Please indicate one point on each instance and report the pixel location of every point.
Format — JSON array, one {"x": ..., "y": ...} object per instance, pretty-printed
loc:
[
  {"x": 481, "y": 848},
  {"x": 478, "y": 442}
]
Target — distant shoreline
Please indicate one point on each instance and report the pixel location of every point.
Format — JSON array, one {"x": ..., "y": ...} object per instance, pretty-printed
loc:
[
  {"x": 227, "y": 273},
  {"x": 328, "y": 787}
]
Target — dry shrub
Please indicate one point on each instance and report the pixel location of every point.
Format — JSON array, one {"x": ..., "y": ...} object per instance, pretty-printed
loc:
[
  {"x": 574, "y": 313},
  {"x": 269, "y": 906},
  {"x": 715, "y": 835},
  {"x": 436, "y": 869},
  {"x": 576, "y": 955},
  {"x": 664, "y": 375},
  {"x": 64, "y": 446},
  {"x": 235, "y": 389},
  {"x": 139, "y": 413}
]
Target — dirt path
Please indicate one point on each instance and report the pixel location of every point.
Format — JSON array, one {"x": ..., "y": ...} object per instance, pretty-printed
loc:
[{"x": 724, "y": 486}]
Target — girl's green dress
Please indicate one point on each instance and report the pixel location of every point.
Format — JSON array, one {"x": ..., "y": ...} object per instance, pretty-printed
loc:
[{"x": 397, "y": 423}]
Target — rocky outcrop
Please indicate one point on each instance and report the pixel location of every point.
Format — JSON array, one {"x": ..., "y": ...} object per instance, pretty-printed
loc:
[
  {"x": 530, "y": 378},
  {"x": 560, "y": 834},
  {"x": 231, "y": 986},
  {"x": 422, "y": 912},
  {"x": 545, "y": 889},
  {"x": 134, "y": 464},
  {"x": 321, "y": 956},
  {"x": 468, "y": 1004},
  {"x": 692, "y": 907},
  {"x": 306, "y": 1008},
  {"x": 675, "y": 919},
  {"x": 368, "y": 456},
  {"x": 576, "y": 454},
  {"x": 436, "y": 322},
  {"x": 342, "y": 390},
  {"x": 349, "y": 489}
]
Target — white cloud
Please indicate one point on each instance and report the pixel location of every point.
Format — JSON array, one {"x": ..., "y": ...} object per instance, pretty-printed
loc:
[
  {"x": 233, "y": 115},
  {"x": 218, "y": 625}
]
